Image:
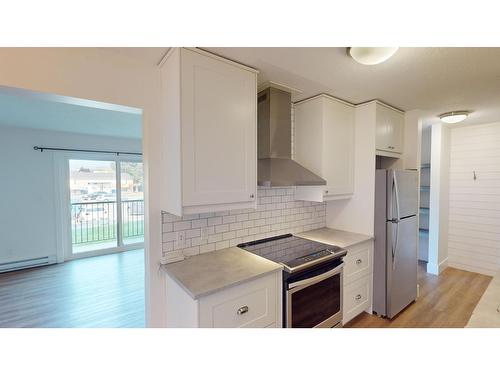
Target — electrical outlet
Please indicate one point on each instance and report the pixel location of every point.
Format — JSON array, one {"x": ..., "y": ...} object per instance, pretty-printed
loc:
[
  {"x": 204, "y": 233},
  {"x": 181, "y": 239}
]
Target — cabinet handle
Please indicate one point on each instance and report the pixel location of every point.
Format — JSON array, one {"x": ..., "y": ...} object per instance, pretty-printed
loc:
[
  {"x": 390, "y": 147},
  {"x": 326, "y": 191},
  {"x": 359, "y": 261},
  {"x": 358, "y": 297},
  {"x": 242, "y": 310},
  {"x": 252, "y": 196}
]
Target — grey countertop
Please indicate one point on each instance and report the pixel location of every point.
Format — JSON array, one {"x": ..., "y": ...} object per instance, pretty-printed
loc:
[
  {"x": 335, "y": 237},
  {"x": 208, "y": 273}
]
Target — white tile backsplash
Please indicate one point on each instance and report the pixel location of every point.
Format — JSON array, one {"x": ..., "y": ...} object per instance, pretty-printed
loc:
[{"x": 277, "y": 213}]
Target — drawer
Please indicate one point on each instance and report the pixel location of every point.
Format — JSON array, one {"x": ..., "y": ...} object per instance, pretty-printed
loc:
[
  {"x": 253, "y": 304},
  {"x": 358, "y": 262},
  {"x": 356, "y": 298}
]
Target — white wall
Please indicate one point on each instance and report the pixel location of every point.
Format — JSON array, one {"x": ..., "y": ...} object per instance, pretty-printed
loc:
[
  {"x": 474, "y": 214},
  {"x": 439, "y": 199},
  {"x": 412, "y": 137},
  {"x": 425, "y": 177},
  {"x": 27, "y": 190},
  {"x": 101, "y": 75},
  {"x": 357, "y": 214},
  {"x": 426, "y": 145}
]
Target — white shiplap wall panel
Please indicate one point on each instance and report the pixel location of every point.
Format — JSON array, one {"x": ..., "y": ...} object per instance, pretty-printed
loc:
[
  {"x": 476, "y": 205},
  {"x": 483, "y": 247},
  {"x": 472, "y": 233},
  {"x": 459, "y": 176},
  {"x": 474, "y": 215},
  {"x": 475, "y": 198}
]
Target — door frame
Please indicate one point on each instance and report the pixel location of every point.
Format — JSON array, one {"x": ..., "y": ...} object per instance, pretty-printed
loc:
[{"x": 63, "y": 211}]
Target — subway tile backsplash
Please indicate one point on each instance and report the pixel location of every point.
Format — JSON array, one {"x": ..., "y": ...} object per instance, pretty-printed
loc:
[{"x": 277, "y": 213}]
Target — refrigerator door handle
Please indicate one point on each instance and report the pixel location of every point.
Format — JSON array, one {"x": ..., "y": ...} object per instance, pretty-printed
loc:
[
  {"x": 395, "y": 244},
  {"x": 396, "y": 191}
]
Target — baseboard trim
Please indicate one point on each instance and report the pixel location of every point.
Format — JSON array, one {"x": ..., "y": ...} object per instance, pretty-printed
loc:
[
  {"x": 436, "y": 269},
  {"x": 27, "y": 263}
]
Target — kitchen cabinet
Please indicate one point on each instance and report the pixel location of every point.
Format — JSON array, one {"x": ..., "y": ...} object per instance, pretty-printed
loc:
[
  {"x": 324, "y": 143},
  {"x": 358, "y": 280},
  {"x": 251, "y": 304},
  {"x": 209, "y": 149},
  {"x": 389, "y": 130}
]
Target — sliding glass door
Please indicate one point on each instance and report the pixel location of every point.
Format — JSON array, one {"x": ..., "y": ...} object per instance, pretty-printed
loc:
[
  {"x": 106, "y": 205},
  {"x": 132, "y": 203}
]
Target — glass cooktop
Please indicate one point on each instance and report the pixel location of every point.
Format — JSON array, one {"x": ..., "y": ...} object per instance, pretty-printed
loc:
[{"x": 293, "y": 252}]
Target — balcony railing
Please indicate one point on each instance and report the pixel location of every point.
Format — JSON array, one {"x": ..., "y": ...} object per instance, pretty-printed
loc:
[{"x": 94, "y": 222}]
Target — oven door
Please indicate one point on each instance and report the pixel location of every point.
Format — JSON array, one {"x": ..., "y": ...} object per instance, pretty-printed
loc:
[{"x": 315, "y": 300}]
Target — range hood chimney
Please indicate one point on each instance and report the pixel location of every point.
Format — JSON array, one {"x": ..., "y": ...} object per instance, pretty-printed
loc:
[{"x": 274, "y": 129}]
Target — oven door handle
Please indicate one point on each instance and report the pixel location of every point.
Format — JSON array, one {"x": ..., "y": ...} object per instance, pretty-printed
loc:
[{"x": 316, "y": 279}]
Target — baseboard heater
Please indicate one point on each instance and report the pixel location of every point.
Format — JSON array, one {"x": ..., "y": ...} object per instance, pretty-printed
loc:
[{"x": 27, "y": 263}]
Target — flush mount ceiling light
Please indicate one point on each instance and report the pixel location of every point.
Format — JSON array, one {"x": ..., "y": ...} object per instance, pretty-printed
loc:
[
  {"x": 371, "y": 55},
  {"x": 454, "y": 116}
]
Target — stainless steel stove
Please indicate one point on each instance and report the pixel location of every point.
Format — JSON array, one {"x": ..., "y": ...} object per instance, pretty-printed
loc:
[{"x": 312, "y": 279}]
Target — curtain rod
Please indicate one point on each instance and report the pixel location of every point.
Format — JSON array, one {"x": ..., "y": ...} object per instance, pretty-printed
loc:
[{"x": 117, "y": 153}]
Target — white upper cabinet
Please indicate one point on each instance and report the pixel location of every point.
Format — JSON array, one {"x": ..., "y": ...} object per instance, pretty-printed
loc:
[
  {"x": 324, "y": 143},
  {"x": 389, "y": 128},
  {"x": 209, "y": 106}
]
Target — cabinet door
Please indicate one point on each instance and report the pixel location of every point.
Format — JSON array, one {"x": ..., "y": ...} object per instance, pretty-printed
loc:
[
  {"x": 253, "y": 304},
  {"x": 219, "y": 131},
  {"x": 308, "y": 132},
  {"x": 390, "y": 125},
  {"x": 338, "y": 148},
  {"x": 356, "y": 298}
]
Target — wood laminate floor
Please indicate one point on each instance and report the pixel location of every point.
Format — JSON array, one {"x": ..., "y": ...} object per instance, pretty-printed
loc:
[
  {"x": 102, "y": 291},
  {"x": 445, "y": 301}
]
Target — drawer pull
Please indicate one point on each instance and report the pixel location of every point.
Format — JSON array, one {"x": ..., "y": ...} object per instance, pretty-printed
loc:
[
  {"x": 359, "y": 261},
  {"x": 242, "y": 310},
  {"x": 358, "y": 297}
]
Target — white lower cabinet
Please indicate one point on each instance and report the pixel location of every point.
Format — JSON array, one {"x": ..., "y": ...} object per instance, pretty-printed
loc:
[
  {"x": 252, "y": 304},
  {"x": 358, "y": 280}
]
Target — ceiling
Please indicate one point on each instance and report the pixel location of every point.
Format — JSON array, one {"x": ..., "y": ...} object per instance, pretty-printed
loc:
[
  {"x": 26, "y": 109},
  {"x": 434, "y": 80}
]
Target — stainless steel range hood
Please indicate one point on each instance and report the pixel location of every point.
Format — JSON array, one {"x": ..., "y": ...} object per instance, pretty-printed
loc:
[{"x": 275, "y": 165}]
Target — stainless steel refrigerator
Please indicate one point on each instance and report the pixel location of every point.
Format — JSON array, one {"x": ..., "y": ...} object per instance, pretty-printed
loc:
[{"x": 396, "y": 233}]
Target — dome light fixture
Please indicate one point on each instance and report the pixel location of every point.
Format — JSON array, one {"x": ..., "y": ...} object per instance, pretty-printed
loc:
[
  {"x": 454, "y": 116},
  {"x": 371, "y": 55}
]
